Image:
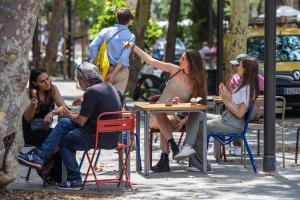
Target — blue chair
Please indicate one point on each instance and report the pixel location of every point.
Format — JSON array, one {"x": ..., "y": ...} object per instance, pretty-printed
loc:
[{"x": 227, "y": 138}]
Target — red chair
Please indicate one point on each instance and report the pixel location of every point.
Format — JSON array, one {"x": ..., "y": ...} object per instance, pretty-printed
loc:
[
  {"x": 152, "y": 130},
  {"x": 124, "y": 122}
]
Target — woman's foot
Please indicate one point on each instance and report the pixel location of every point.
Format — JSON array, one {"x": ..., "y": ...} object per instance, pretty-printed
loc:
[
  {"x": 163, "y": 164},
  {"x": 185, "y": 153},
  {"x": 174, "y": 147}
]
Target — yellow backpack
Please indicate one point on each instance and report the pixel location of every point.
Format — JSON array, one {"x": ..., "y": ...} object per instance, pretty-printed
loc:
[{"x": 102, "y": 61}]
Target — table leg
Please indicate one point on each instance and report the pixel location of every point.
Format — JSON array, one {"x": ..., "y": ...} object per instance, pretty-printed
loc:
[
  {"x": 204, "y": 156},
  {"x": 138, "y": 132},
  {"x": 146, "y": 144}
]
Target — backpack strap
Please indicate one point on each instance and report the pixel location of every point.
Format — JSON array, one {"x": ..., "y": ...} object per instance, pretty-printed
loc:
[{"x": 114, "y": 35}]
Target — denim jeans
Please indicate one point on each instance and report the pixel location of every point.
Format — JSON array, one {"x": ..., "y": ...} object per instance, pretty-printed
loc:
[{"x": 67, "y": 136}]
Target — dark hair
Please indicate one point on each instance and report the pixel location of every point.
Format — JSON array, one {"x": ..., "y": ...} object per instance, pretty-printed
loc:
[
  {"x": 197, "y": 74},
  {"x": 34, "y": 73},
  {"x": 250, "y": 77},
  {"x": 124, "y": 15}
]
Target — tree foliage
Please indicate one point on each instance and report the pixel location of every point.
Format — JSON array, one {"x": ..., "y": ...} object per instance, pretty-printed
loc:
[
  {"x": 89, "y": 9},
  {"x": 107, "y": 16}
]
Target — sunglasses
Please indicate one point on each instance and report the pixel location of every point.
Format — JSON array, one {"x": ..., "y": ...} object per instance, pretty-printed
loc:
[{"x": 81, "y": 72}]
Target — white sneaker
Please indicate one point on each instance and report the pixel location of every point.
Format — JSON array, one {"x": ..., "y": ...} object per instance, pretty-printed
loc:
[
  {"x": 185, "y": 152},
  {"x": 192, "y": 169},
  {"x": 237, "y": 151}
]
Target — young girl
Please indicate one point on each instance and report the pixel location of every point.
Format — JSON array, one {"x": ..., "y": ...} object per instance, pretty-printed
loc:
[{"x": 231, "y": 120}]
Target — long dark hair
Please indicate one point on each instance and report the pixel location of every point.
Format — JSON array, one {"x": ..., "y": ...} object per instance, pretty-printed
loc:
[
  {"x": 197, "y": 74},
  {"x": 250, "y": 77},
  {"x": 34, "y": 73}
]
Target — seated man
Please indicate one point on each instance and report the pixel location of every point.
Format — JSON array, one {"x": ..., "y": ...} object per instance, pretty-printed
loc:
[{"x": 77, "y": 130}]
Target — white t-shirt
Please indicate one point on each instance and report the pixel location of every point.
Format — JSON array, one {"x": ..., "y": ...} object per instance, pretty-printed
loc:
[{"x": 241, "y": 96}]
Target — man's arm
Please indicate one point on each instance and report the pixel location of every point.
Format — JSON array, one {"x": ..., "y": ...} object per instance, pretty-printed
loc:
[
  {"x": 78, "y": 119},
  {"x": 111, "y": 76},
  {"x": 94, "y": 46}
]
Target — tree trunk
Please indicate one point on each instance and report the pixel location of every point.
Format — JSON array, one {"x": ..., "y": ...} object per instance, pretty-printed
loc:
[
  {"x": 36, "y": 50},
  {"x": 237, "y": 42},
  {"x": 140, "y": 25},
  {"x": 172, "y": 31},
  {"x": 54, "y": 30},
  {"x": 17, "y": 22}
]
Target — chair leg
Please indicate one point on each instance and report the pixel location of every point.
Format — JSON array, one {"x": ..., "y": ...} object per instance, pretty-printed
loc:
[
  {"x": 82, "y": 159},
  {"x": 97, "y": 158},
  {"x": 283, "y": 151},
  {"x": 223, "y": 153},
  {"x": 28, "y": 174},
  {"x": 258, "y": 142},
  {"x": 250, "y": 154},
  {"x": 180, "y": 139},
  {"x": 297, "y": 145}
]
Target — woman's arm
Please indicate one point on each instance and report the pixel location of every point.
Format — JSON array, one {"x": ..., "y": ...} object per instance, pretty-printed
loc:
[
  {"x": 30, "y": 110},
  {"x": 167, "y": 67},
  {"x": 59, "y": 101},
  {"x": 238, "y": 112},
  {"x": 227, "y": 97}
]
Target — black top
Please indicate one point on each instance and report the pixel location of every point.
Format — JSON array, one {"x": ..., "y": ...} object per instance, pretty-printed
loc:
[{"x": 99, "y": 98}]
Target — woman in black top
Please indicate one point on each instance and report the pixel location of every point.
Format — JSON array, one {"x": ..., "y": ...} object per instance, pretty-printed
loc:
[{"x": 43, "y": 96}]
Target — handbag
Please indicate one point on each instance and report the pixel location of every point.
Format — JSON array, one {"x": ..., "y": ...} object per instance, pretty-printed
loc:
[
  {"x": 102, "y": 61},
  {"x": 38, "y": 124}
]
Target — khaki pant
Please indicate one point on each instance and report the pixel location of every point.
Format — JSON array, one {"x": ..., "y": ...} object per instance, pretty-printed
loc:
[{"x": 120, "y": 80}]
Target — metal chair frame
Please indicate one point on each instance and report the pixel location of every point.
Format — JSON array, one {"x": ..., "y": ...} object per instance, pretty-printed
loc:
[
  {"x": 227, "y": 138},
  {"x": 106, "y": 126}
]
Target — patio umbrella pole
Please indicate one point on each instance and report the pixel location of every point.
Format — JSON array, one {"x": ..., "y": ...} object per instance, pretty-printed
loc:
[{"x": 269, "y": 158}]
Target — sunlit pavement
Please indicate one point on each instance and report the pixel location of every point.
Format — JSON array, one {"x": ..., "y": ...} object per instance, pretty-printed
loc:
[{"x": 227, "y": 180}]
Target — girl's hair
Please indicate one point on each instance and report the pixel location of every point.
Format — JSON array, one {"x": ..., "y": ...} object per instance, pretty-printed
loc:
[
  {"x": 250, "y": 77},
  {"x": 197, "y": 74},
  {"x": 49, "y": 94}
]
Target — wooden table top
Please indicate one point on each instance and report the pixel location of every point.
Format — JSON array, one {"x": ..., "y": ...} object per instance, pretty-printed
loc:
[{"x": 174, "y": 107}]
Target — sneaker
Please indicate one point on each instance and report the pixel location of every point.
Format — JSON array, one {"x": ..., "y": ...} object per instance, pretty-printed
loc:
[
  {"x": 32, "y": 160},
  {"x": 192, "y": 169},
  {"x": 237, "y": 151},
  {"x": 74, "y": 185},
  {"x": 185, "y": 153}
]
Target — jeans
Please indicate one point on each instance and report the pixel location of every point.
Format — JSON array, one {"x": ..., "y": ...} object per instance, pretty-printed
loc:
[{"x": 68, "y": 137}]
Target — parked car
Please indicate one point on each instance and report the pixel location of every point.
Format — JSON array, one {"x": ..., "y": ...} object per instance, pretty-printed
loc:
[
  {"x": 160, "y": 48},
  {"x": 287, "y": 60}
]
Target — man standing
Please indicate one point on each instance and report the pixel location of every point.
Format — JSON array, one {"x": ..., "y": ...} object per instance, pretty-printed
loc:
[
  {"x": 118, "y": 57},
  {"x": 77, "y": 130}
]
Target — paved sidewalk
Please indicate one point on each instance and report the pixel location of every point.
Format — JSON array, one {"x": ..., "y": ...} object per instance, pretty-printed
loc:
[{"x": 228, "y": 180}]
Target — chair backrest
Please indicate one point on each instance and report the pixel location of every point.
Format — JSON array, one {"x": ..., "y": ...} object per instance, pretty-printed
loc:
[
  {"x": 247, "y": 119},
  {"x": 121, "y": 121},
  {"x": 280, "y": 108}
]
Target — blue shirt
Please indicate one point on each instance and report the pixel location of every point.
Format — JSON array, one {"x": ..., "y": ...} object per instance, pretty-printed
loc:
[{"x": 115, "y": 51}]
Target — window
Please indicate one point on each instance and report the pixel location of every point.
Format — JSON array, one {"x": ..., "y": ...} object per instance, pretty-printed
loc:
[{"x": 287, "y": 48}]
